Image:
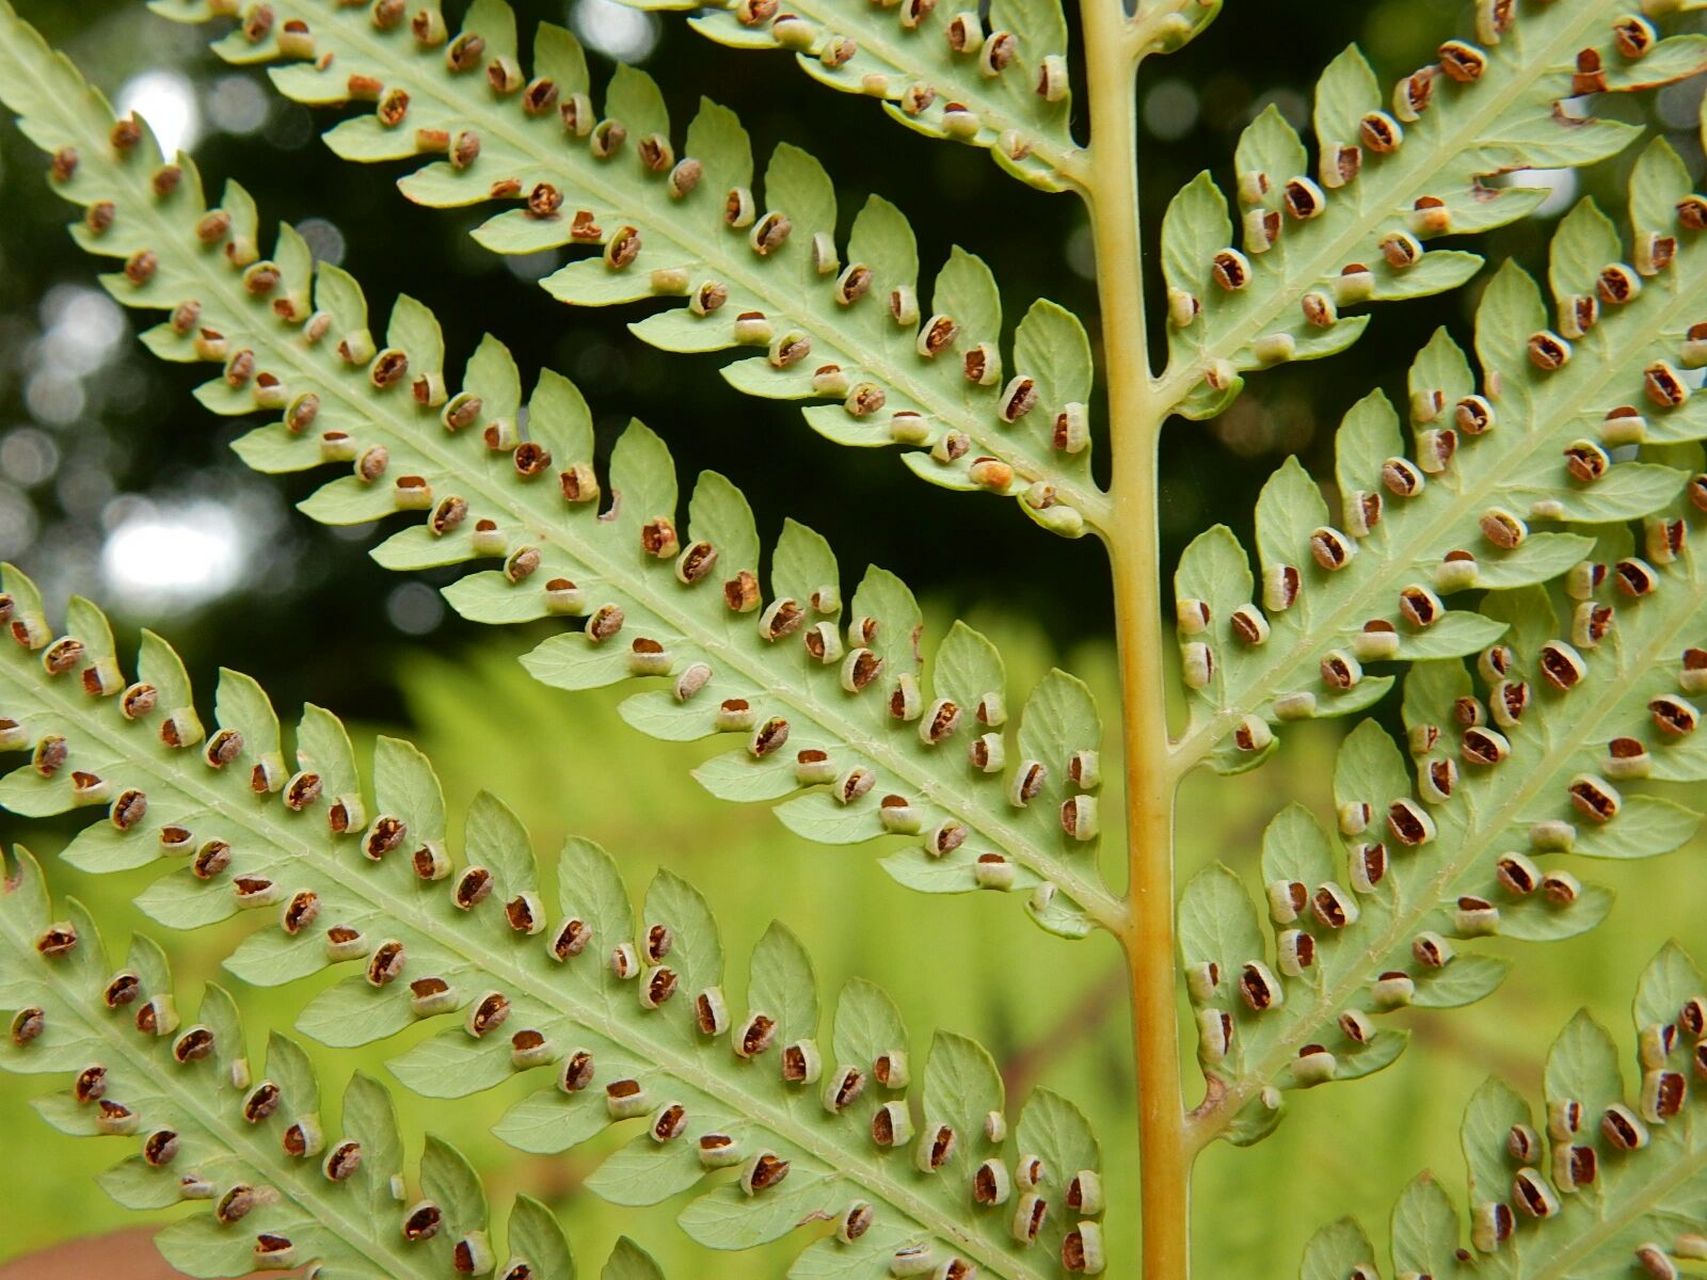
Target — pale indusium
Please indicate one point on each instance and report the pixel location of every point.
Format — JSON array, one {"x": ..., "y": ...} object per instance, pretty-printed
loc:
[{"x": 1523, "y": 564}]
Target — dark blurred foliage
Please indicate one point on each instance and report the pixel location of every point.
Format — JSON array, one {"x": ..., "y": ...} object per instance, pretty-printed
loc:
[{"x": 139, "y": 432}]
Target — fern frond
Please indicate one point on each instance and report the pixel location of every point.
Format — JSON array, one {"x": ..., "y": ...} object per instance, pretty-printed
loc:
[
  {"x": 623, "y": 1020},
  {"x": 1391, "y": 174},
  {"x": 768, "y": 276},
  {"x": 1538, "y": 444},
  {"x": 1510, "y": 774},
  {"x": 282, "y": 1191},
  {"x": 1602, "y": 1183},
  {"x": 998, "y": 81},
  {"x": 837, "y": 720}
]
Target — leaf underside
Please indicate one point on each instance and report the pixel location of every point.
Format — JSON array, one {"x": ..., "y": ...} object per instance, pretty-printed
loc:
[
  {"x": 1391, "y": 172},
  {"x": 1502, "y": 485},
  {"x": 247, "y": 1137},
  {"x": 1582, "y": 638},
  {"x": 1601, "y": 1184},
  {"x": 831, "y": 701},
  {"x": 1513, "y": 772},
  {"x": 820, "y": 320},
  {"x": 1000, "y": 83},
  {"x": 619, "y": 1017}
]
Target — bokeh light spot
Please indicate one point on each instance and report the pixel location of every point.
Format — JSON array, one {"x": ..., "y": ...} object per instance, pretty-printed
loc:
[
  {"x": 325, "y": 239},
  {"x": 414, "y": 608},
  {"x": 182, "y": 555},
  {"x": 1170, "y": 110},
  {"x": 28, "y": 456},
  {"x": 237, "y": 105},
  {"x": 615, "y": 30},
  {"x": 1560, "y": 183},
  {"x": 167, "y": 101}
]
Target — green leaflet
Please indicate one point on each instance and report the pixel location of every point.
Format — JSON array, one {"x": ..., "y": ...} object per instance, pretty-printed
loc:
[
  {"x": 900, "y": 357},
  {"x": 620, "y": 1017},
  {"x": 248, "y": 1138},
  {"x": 614, "y": 573},
  {"x": 1467, "y": 833},
  {"x": 628, "y": 1261},
  {"x": 1020, "y": 115},
  {"x": 1622, "y": 1212},
  {"x": 1335, "y": 1251},
  {"x": 1285, "y": 292},
  {"x": 1425, "y": 1227},
  {"x": 1482, "y": 471}
]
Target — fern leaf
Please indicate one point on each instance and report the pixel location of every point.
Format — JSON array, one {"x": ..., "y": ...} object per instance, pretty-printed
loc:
[
  {"x": 1602, "y": 1183},
  {"x": 836, "y": 719},
  {"x": 1486, "y": 496},
  {"x": 998, "y": 81},
  {"x": 206, "y": 1124},
  {"x": 1390, "y": 174},
  {"x": 767, "y": 277},
  {"x": 1512, "y": 771},
  {"x": 618, "y": 1018}
]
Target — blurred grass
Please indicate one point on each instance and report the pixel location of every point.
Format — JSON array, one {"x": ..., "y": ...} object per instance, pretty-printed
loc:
[{"x": 1051, "y": 1011}]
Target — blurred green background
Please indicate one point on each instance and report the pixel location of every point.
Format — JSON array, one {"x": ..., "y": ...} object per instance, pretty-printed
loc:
[{"x": 114, "y": 483}]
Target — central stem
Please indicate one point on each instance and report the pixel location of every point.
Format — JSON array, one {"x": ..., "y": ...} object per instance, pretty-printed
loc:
[{"x": 1135, "y": 417}]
